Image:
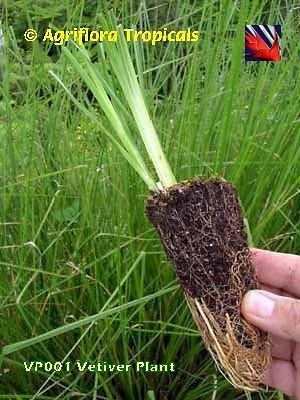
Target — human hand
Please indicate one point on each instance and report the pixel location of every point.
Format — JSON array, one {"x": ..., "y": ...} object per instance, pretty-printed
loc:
[{"x": 276, "y": 309}]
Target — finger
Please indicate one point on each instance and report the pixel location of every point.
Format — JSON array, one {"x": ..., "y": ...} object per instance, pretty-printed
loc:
[
  {"x": 281, "y": 348},
  {"x": 296, "y": 358},
  {"x": 282, "y": 375},
  {"x": 278, "y": 270},
  {"x": 271, "y": 289},
  {"x": 280, "y": 292},
  {"x": 275, "y": 314}
]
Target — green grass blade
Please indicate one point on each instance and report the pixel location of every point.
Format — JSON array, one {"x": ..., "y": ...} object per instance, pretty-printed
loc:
[
  {"x": 121, "y": 63},
  {"x": 85, "y": 69},
  {"x": 12, "y": 348}
]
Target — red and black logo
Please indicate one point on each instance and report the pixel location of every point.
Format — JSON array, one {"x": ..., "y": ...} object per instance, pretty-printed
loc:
[{"x": 262, "y": 43}]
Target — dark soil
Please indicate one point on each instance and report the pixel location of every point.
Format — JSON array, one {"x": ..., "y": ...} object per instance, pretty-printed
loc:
[{"x": 201, "y": 226}]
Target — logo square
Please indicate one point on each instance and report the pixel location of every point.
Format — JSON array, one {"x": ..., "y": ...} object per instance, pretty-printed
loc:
[{"x": 262, "y": 43}]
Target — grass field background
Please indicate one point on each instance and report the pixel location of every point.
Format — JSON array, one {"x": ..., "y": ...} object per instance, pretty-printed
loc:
[{"x": 75, "y": 242}]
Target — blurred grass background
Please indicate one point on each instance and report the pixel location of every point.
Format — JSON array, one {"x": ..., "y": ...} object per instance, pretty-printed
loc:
[{"x": 72, "y": 210}]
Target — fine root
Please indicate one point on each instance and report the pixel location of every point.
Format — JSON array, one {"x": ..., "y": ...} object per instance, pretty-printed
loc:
[{"x": 202, "y": 230}]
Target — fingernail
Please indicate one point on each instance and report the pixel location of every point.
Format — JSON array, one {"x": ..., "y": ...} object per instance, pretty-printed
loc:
[{"x": 259, "y": 305}]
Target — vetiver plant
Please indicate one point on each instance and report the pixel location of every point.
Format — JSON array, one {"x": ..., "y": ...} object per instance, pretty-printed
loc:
[{"x": 199, "y": 220}]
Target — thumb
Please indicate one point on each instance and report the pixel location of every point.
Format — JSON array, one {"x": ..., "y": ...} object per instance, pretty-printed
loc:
[{"x": 272, "y": 313}]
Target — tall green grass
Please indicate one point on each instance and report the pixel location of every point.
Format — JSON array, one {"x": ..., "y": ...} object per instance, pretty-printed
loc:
[{"x": 76, "y": 249}]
